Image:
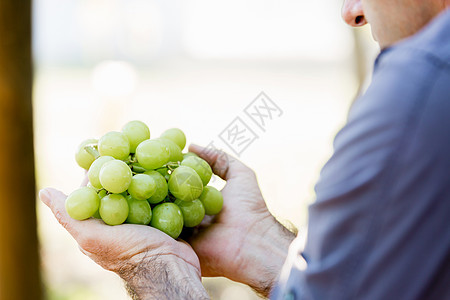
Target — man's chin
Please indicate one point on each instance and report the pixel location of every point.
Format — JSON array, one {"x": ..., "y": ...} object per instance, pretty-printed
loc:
[{"x": 375, "y": 38}]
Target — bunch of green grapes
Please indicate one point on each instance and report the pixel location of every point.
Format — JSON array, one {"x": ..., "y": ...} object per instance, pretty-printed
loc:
[{"x": 137, "y": 180}]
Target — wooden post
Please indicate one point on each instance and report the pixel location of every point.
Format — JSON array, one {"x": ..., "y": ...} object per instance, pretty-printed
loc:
[{"x": 19, "y": 259}]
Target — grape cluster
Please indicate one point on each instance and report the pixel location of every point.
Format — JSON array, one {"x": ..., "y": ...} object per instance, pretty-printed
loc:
[{"x": 138, "y": 180}]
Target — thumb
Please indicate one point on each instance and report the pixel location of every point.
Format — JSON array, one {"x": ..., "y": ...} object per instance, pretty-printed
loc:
[
  {"x": 55, "y": 200},
  {"x": 223, "y": 165}
]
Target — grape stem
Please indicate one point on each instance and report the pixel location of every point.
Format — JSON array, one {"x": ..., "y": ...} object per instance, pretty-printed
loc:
[
  {"x": 131, "y": 159},
  {"x": 92, "y": 151},
  {"x": 171, "y": 165}
]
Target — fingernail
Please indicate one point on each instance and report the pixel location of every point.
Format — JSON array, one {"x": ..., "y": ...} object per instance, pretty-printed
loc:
[
  {"x": 194, "y": 146},
  {"x": 44, "y": 193}
]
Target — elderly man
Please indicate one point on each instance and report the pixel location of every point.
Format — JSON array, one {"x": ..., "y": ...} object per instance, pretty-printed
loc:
[{"x": 379, "y": 228}]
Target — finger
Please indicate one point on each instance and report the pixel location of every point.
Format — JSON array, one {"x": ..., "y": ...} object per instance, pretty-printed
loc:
[
  {"x": 223, "y": 165},
  {"x": 55, "y": 200}
]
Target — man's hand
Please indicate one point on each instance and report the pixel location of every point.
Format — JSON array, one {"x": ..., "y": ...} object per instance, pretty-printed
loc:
[
  {"x": 243, "y": 242},
  {"x": 154, "y": 265}
]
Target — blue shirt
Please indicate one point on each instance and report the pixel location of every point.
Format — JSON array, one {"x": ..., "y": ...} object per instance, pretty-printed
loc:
[{"x": 380, "y": 226}]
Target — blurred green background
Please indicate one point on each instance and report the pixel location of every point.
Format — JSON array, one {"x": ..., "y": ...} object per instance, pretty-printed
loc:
[{"x": 195, "y": 65}]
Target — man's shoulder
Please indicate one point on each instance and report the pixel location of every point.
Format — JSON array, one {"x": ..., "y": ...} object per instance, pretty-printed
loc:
[
  {"x": 410, "y": 89},
  {"x": 414, "y": 70},
  {"x": 434, "y": 39},
  {"x": 431, "y": 44}
]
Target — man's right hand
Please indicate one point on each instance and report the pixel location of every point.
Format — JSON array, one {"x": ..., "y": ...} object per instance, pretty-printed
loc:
[{"x": 244, "y": 242}]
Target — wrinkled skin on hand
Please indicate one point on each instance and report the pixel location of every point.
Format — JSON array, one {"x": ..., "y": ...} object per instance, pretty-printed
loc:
[
  {"x": 121, "y": 249},
  {"x": 230, "y": 244}
]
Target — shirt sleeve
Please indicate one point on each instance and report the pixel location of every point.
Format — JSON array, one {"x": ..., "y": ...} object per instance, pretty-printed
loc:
[{"x": 379, "y": 228}]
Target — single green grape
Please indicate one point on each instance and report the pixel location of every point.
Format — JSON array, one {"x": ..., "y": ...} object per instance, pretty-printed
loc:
[
  {"x": 193, "y": 212},
  {"x": 161, "y": 187},
  {"x": 189, "y": 154},
  {"x": 83, "y": 158},
  {"x": 114, "y": 144},
  {"x": 139, "y": 211},
  {"x": 200, "y": 166},
  {"x": 212, "y": 200},
  {"x": 94, "y": 170},
  {"x": 136, "y": 132},
  {"x": 115, "y": 176},
  {"x": 175, "y": 135},
  {"x": 175, "y": 154},
  {"x": 168, "y": 218},
  {"x": 185, "y": 184},
  {"x": 152, "y": 154},
  {"x": 142, "y": 186},
  {"x": 114, "y": 209},
  {"x": 82, "y": 203}
]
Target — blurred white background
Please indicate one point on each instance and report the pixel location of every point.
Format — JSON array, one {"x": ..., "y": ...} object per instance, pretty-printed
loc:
[{"x": 193, "y": 64}]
